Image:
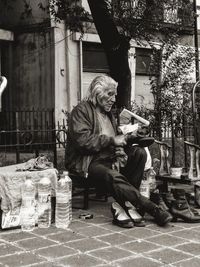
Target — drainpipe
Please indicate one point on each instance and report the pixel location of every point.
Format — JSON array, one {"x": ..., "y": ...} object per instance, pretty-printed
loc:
[
  {"x": 81, "y": 69},
  {"x": 3, "y": 84},
  {"x": 196, "y": 44},
  {"x": 196, "y": 86}
]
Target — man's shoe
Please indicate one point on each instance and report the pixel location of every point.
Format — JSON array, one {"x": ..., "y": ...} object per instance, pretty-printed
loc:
[
  {"x": 134, "y": 215},
  {"x": 120, "y": 218},
  {"x": 162, "y": 217},
  {"x": 168, "y": 199},
  {"x": 158, "y": 200},
  {"x": 182, "y": 210}
]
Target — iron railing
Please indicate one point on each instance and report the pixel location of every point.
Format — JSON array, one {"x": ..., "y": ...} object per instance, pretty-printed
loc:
[
  {"x": 36, "y": 132},
  {"x": 31, "y": 132}
]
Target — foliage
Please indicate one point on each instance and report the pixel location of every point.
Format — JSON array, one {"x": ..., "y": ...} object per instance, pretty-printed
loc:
[
  {"x": 172, "y": 89},
  {"x": 150, "y": 20},
  {"x": 70, "y": 11},
  {"x": 144, "y": 19}
]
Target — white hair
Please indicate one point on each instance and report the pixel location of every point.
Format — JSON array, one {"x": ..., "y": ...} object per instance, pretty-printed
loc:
[{"x": 98, "y": 87}]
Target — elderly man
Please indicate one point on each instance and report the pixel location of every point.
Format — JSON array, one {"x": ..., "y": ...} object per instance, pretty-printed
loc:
[{"x": 95, "y": 151}]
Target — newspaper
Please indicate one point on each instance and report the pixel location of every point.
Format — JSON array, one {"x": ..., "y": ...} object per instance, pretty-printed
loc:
[{"x": 126, "y": 115}]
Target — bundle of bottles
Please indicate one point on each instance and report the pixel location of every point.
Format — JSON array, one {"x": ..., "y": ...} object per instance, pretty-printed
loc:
[{"x": 36, "y": 208}]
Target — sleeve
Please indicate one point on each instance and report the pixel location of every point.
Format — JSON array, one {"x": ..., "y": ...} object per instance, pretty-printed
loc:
[{"x": 81, "y": 130}]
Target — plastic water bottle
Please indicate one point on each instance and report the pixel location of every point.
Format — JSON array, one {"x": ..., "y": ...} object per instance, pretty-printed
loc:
[
  {"x": 44, "y": 203},
  {"x": 62, "y": 203},
  {"x": 144, "y": 186},
  {"x": 69, "y": 181},
  {"x": 28, "y": 213},
  {"x": 152, "y": 179}
]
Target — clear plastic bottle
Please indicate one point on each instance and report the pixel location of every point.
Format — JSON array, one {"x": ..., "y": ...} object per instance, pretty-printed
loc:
[
  {"x": 69, "y": 181},
  {"x": 28, "y": 214},
  {"x": 44, "y": 203},
  {"x": 152, "y": 179},
  {"x": 62, "y": 203},
  {"x": 144, "y": 186}
]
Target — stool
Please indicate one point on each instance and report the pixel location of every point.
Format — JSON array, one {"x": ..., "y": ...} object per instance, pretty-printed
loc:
[{"x": 85, "y": 188}]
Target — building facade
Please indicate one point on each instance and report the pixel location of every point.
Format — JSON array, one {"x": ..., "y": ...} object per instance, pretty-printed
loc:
[{"x": 48, "y": 66}]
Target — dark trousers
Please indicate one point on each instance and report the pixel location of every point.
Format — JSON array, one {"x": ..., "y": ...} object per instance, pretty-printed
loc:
[{"x": 123, "y": 185}]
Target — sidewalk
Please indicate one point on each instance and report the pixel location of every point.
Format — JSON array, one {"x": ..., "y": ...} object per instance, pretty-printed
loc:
[{"x": 96, "y": 242}]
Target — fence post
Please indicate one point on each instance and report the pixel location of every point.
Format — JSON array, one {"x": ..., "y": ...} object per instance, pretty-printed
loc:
[
  {"x": 185, "y": 147},
  {"x": 173, "y": 143},
  {"x": 54, "y": 139}
]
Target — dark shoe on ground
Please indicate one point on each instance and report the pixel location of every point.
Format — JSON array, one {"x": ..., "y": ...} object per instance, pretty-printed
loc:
[
  {"x": 182, "y": 210},
  {"x": 158, "y": 200},
  {"x": 120, "y": 218},
  {"x": 168, "y": 198},
  {"x": 162, "y": 217},
  {"x": 134, "y": 215}
]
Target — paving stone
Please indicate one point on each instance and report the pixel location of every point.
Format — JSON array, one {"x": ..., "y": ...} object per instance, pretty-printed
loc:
[
  {"x": 115, "y": 238},
  {"x": 138, "y": 262},
  {"x": 191, "y": 247},
  {"x": 92, "y": 231},
  {"x": 141, "y": 232},
  {"x": 108, "y": 265},
  {"x": 54, "y": 252},
  {"x": 170, "y": 227},
  {"x": 78, "y": 224},
  {"x": 16, "y": 236},
  {"x": 194, "y": 262},
  {"x": 47, "y": 264},
  {"x": 189, "y": 235},
  {"x": 166, "y": 240},
  {"x": 47, "y": 231},
  {"x": 139, "y": 246},
  {"x": 20, "y": 260},
  {"x": 99, "y": 219},
  {"x": 111, "y": 253},
  {"x": 65, "y": 236},
  {"x": 81, "y": 260},
  {"x": 167, "y": 255},
  {"x": 34, "y": 243},
  {"x": 87, "y": 244},
  {"x": 114, "y": 228},
  {"x": 186, "y": 225},
  {"x": 6, "y": 249}
]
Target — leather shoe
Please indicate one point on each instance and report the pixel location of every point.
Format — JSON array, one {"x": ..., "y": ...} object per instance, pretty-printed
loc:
[
  {"x": 120, "y": 218},
  {"x": 162, "y": 217},
  {"x": 182, "y": 210},
  {"x": 134, "y": 215},
  {"x": 158, "y": 200}
]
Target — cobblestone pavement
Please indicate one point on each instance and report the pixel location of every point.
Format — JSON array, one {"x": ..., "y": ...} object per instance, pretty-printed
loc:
[{"x": 96, "y": 242}]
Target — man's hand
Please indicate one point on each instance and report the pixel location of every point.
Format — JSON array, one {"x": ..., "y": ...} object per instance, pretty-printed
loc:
[{"x": 119, "y": 140}]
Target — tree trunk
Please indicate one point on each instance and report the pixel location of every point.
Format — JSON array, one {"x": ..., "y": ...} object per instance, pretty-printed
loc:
[{"x": 116, "y": 47}]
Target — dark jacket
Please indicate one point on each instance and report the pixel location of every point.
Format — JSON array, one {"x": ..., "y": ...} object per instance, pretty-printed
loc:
[{"x": 84, "y": 140}]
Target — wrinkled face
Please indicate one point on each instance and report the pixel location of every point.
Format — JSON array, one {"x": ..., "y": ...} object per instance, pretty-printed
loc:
[{"x": 106, "y": 100}]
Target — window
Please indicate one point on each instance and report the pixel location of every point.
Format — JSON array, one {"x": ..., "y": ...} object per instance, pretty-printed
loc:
[
  {"x": 94, "y": 58},
  {"x": 143, "y": 60}
]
